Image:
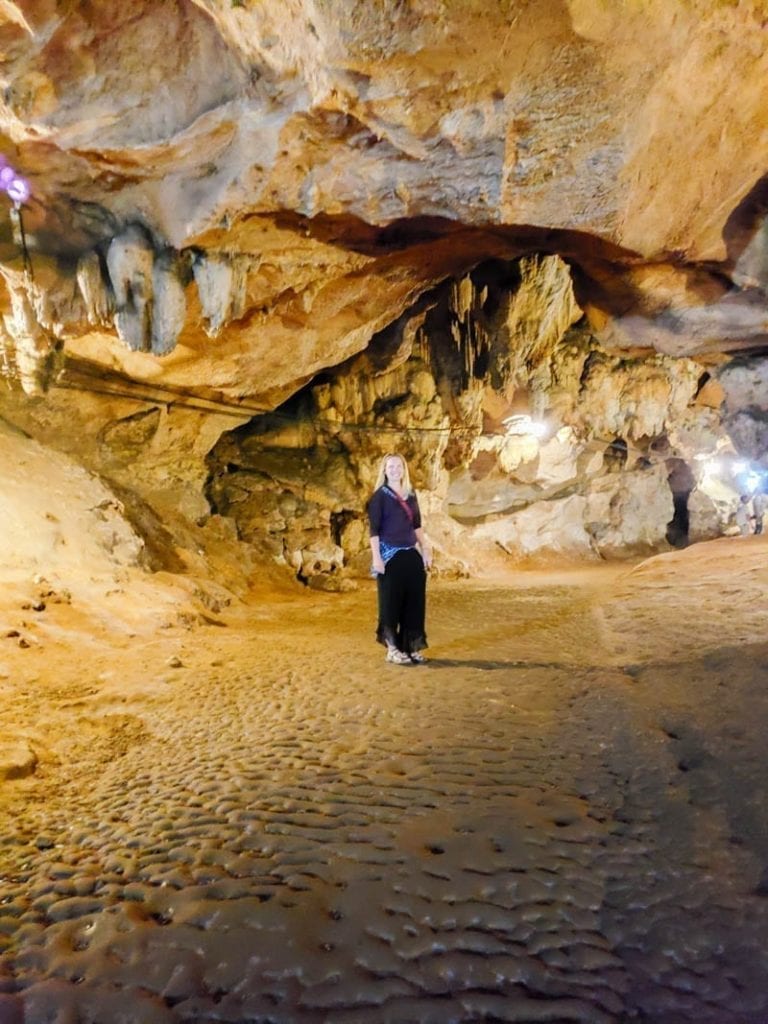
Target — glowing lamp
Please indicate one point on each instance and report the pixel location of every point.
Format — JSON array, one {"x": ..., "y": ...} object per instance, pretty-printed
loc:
[
  {"x": 752, "y": 481},
  {"x": 18, "y": 190},
  {"x": 524, "y": 426}
]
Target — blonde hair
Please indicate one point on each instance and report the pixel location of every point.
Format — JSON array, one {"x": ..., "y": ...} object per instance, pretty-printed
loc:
[{"x": 381, "y": 479}]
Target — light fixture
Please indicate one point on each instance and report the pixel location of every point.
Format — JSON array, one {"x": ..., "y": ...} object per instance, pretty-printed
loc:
[
  {"x": 18, "y": 191},
  {"x": 752, "y": 480},
  {"x": 521, "y": 425},
  {"x": 16, "y": 188}
]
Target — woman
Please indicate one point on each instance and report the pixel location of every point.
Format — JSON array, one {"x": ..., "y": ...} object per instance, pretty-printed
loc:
[{"x": 401, "y": 556}]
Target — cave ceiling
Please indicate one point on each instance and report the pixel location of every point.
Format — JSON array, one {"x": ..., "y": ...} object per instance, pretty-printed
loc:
[{"x": 228, "y": 196}]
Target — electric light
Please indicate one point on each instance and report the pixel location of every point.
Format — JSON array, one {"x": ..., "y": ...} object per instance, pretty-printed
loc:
[
  {"x": 524, "y": 426},
  {"x": 16, "y": 188},
  {"x": 752, "y": 480}
]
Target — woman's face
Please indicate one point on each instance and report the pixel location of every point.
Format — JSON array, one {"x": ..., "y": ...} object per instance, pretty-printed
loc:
[{"x": 393, "y": 468}]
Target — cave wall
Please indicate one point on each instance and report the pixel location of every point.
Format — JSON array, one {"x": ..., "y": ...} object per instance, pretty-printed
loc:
[
  {"x": 344, "y": 228},
  {"x": 149, "y": 455},
  {"x": 232, "y": 197},
  {"x": 213, "y": 490},
  {"x": 447, "y": 386}
]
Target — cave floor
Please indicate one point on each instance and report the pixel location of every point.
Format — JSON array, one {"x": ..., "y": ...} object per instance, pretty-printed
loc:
[{"x": 562, "y": 817}]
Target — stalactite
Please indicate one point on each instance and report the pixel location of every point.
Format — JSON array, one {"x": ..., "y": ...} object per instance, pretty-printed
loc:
[
  {"x": 170, "y": 305},
  {"x": 130, "y": 260},
  {"x": 221, "y": 281},
  {"x": 95, "y": 290},
  {"x": 425, "y": 349},
  {"x": 464, "y": 293}
]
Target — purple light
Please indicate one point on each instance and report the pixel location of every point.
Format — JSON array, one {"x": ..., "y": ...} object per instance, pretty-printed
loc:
[{"x": 18, "y": 190}]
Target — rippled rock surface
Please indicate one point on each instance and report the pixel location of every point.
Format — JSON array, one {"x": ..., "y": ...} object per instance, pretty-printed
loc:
[{"x": 523, "y": 830}]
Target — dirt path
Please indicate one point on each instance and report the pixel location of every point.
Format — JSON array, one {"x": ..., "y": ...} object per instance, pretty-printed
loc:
[{"x": 546, "y": 823}]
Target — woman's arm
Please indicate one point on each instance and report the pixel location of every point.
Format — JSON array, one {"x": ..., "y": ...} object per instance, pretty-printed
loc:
[
  {"x": 378, "y": 563},
  {"x": 375, "y": 514},
  {"x": 424, "y": 546}
]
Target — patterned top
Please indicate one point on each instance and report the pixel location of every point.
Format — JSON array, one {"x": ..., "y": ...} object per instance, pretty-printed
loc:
[{"x": 389, "y": 521}]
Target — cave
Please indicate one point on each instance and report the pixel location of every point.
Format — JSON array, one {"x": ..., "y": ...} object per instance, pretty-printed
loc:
[{"x": 249, "y": 249}]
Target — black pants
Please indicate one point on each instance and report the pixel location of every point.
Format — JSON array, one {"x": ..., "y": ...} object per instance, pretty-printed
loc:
[{"x": 403, "y": 602}]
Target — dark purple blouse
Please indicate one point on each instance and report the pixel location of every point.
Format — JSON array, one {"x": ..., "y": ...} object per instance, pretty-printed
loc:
[{"x": 389, "y": 521}]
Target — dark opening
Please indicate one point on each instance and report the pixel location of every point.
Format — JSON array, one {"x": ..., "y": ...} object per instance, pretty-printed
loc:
[
  {"x": 615, "y": 455},
  {"x": 339, "y": 521}
]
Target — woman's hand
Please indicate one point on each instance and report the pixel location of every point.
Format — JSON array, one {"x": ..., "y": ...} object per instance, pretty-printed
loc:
[
  {"x": 378, "y": 566},
  {"x": 426, "y": 554}
]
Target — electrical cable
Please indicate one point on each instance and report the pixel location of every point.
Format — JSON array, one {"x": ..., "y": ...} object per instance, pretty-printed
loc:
[
  {"x": 236, "y": 411},
  {"x": 19, "y": 192}
]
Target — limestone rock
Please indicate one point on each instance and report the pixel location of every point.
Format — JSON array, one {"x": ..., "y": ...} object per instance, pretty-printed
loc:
[
  {"x": 573, "y": 121},
  {"x": 593, "y": 479},
  {"x": 751, "y": 268},
  {"x": 334, "y": 583},
  {"x": 553, "y": 527},
  {"x": 57, "y": 517},
  {"x": 130, "y": 260},
  {"x": 31, "y": 353},
  {"x": 221, "y": 284},
  {"x": 629, "y": 515},
  {"x": 636, "y": 397},
  {"x": 124, "y": 440},
  {"x": 709, "y": 518},
  {"x": 318, "y": 559},
  {"x": 17, "y": 760},
  {"x": 745, "y": 386},
  {"x": 169, "y": 304},
  {"x": 393, "y": 244},
  {"x": 329, "y": 166},
  {"x": 96, "y": 293}
]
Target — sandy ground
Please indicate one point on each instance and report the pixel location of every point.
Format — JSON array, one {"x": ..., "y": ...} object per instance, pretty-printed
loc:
[{"x": 562, "y": 817}]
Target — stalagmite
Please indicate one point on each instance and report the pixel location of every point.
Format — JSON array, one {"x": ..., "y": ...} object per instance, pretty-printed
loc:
[
  {"x": 7, "y": 354},
  {"x": 36, "y": 351}
]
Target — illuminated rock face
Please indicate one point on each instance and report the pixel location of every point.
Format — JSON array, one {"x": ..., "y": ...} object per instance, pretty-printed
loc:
[
  {"x": 289, "y": 177},
  {"x": 57, "y": 517},
  {"x": 523, "y": 435},
  {"x": 229, "y": 200}
]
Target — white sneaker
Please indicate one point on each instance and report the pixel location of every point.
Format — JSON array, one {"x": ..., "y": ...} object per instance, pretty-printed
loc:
[
  {"x": 396, "y": 657},
  {"x": 417, "y": 658}
]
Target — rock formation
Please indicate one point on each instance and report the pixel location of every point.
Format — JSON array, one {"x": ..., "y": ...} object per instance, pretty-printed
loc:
[
  {"x": 345, "y": 228},
  {"x": 463, "y": 388}
]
